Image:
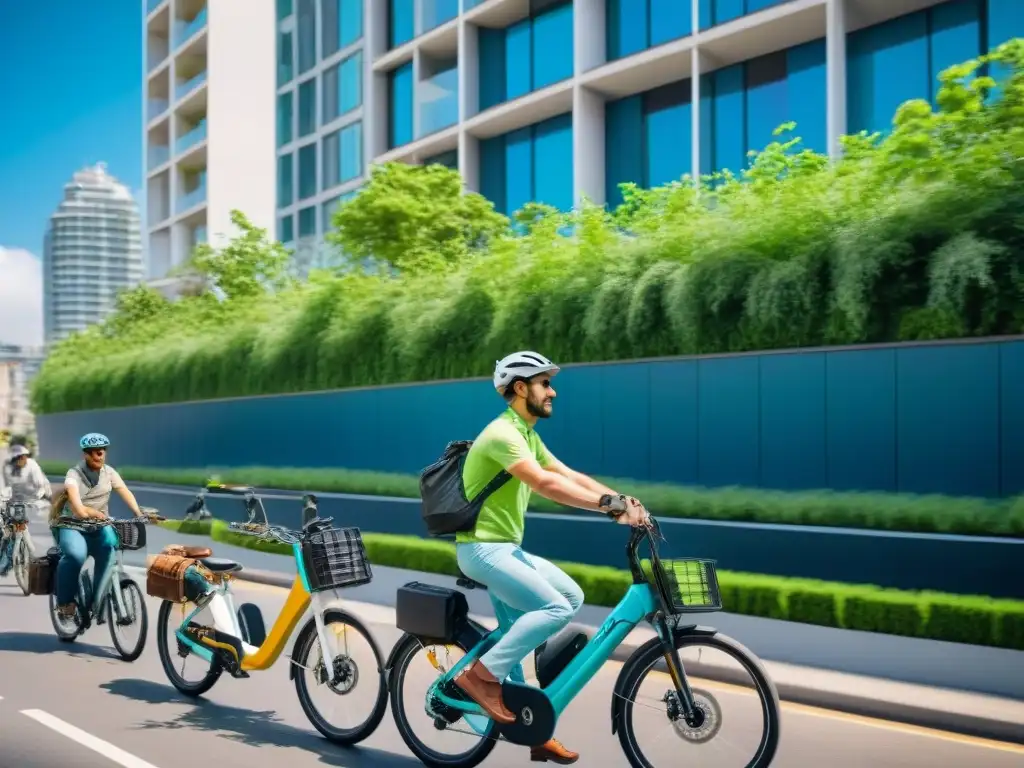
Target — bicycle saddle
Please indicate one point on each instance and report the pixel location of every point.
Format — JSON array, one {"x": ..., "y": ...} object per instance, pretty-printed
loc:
[{"x": 197, "y": 553}]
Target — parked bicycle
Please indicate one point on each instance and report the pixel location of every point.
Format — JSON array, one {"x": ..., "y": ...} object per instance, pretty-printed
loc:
[
  {"x": 663, "y": 591},
  {"x": 119, "y": 603},
  {"x": 235, "y": 639},
  {"x": 16, "y": 547}
]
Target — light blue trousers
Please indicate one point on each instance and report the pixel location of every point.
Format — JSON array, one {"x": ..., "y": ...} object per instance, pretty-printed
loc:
[{"x": 535, "y": 594}]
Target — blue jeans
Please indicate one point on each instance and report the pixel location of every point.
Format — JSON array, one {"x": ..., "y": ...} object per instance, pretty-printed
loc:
[
  {"x": 75, "y": 546},
  {"x": 535, "y": 594}
]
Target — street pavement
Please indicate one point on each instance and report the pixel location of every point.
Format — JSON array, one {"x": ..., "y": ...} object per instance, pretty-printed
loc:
[{"x": 80, "y": 705}]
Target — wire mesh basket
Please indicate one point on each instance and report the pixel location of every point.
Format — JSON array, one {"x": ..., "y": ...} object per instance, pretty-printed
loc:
[
  {"x": 17, "y": 513},
  {"x": 131, "y": 534},
  {"x": 691, "y": 585},
  {"x": 335, "y": 558}
]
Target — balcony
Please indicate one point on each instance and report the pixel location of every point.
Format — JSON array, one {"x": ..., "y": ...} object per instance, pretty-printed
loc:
[
  {"x": 155, "y": 108},
  {"x": 185, "y": 88},
  {"x": 191, "y": 138},
  {"x": 438, "y": 98},
  {"x": 434, "y": 13},
  {"x": 158, "y": 156},
  {"x": 185, "y": 30},
  {"x": 190, "y": 200}
]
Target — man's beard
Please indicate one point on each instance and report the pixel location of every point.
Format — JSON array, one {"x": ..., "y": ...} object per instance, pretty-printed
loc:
[{"x": 537, "y": 409}]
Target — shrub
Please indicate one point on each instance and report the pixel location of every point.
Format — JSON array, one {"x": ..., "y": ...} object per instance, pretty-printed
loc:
[
  {"x": 953, "y": 618},
  {"x": 914, "y": 235},
  {"x": 894, "y": 512}
]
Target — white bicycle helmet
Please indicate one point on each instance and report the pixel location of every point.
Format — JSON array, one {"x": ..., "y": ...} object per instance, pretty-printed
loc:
[{"x": 520, "y": 365}]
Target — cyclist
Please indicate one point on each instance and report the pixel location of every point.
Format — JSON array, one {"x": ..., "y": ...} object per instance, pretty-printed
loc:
[
  {"x": 88, "y": 486},
  {"x": 542, "y": 597},
  {"x": 26, "y": 479}
]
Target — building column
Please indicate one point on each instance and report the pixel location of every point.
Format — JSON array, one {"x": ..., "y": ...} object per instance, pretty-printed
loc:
[
  {"x": 589, "y": 37},
  {"x": 588, "y": 152},
  {"x": 835, "y": 68},
  {"x": 375, "y": 85}
]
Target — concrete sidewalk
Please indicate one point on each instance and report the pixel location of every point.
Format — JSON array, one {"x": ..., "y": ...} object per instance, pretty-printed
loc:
[{"x": 906, "y": 680}]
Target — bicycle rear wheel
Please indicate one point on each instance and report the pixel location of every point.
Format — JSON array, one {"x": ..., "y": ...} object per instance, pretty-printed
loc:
[
  {"x": 135, "y": 618},
  {"x": 22, "y": 555},
  {"x": 739, "y": 707},
  {"x": 177, "y": 660}
]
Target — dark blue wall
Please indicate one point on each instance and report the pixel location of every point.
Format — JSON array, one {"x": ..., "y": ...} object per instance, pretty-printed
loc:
[{"x": 945, "y": 418}]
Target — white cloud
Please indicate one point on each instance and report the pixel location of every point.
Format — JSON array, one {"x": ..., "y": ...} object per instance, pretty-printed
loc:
[{"x": 21, "y": 298}]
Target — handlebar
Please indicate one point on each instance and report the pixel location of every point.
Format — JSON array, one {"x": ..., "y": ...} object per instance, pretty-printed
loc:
[
  {"x": 91, "y": 522},
  {"x": 230, "y": 490},
  {"x": 266, "y": 531}
]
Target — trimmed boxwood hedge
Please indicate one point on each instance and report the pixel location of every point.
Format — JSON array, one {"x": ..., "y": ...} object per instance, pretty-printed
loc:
[
  {"x": 880, "y": 511},
  {"x": 935, "y": 616},
  {"x": 913, "y": 236}
]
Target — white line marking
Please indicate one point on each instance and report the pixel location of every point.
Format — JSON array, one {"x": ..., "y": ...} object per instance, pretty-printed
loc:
[{"x": 97, "y": 745}]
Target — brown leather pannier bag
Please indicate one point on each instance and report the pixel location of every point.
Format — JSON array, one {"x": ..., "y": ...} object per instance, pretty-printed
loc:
[
  {"x": 165, "y": 577},
  {"x": 42, "y": 572}
]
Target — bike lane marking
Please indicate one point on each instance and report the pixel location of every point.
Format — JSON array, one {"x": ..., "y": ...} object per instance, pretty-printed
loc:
[{"x": 96, "y": 744}]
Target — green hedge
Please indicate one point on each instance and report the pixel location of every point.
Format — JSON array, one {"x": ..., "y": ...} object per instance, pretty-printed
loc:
[
  {"x": 914, "y": 236},
  {"x": 880, "y": 511},
  {"x": 954, "y": 618}
]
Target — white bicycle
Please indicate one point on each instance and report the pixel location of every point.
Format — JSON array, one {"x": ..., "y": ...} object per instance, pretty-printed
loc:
[{"x": 16, "y": 546}]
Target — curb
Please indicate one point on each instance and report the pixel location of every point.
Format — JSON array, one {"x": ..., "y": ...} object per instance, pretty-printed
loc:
[{"x": 847, "y": 703}]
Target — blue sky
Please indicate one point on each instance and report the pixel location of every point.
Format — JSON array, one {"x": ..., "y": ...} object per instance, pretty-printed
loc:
[{"x": 72, "y": 96}]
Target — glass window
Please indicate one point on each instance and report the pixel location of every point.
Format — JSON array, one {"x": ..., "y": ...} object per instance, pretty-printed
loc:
[
  {"x": 285, "y": 116},
  {"x": 400, "y": 114},
  {"x": 401, "y": 18},
  {"x": 350, "y": 21},
  {"x": 285, "y": 183},
  {"x": 307, "y": 35},
  {"x": 284, "y": 9},
  {"x": 307, "y": 171},
  {"x": 307, "y": 221},
  {"x": 343, "y": 87},
  {"x": 327, "y": 212},
  {"x": 342, "y": 24},
  {"x": 329, "y": 41},
  {"x": 351, "y": 152},
  {"x": 332, "y": 160},
  {"x": 285, "y": 229},
  {"x": 307, "y": 107},
  {"x": 285, "y": 58}
]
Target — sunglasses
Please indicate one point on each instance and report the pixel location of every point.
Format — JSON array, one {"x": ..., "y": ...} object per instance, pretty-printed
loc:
[{"x": 96, "y": 451}]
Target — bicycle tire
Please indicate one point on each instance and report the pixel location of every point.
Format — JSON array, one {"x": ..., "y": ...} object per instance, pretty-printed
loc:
[
  {"x": 404, "y": 652},
  {"x": 167, "y": 659},
  {"x": 126, "y": 586},
  {"x": 640, "y": 663},
  {"x": 304, "y": 645},
  {"x": 21, "y": 560}
]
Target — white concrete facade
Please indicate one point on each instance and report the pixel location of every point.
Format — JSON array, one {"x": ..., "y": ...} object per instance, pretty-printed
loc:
[
  {"x": 209, "y": 116},
  {"x": 597, "y": 80}
]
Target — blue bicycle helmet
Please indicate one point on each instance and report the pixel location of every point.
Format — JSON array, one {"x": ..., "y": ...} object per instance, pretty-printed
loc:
[{"x": 94, "y": 440}]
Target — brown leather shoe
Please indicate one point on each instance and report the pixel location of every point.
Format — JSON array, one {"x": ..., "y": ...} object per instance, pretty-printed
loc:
[
  {"x": 481, "y": 686},
  {"x": 553, "y": 752}
]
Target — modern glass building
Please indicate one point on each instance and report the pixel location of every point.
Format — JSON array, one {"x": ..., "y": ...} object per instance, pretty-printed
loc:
[{"x": 554, "y": 100}]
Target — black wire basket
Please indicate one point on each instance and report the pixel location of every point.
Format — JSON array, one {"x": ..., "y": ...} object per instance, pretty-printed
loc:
[
  {"x": 690, "y": 585},
  {"x": 131, "y": 534},
  {"x": 17, "y": 512},
  {"x": 335, "y": 558}
]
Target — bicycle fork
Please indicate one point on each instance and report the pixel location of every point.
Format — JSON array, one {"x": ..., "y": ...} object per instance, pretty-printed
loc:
[{"x": 685, "y": 706}]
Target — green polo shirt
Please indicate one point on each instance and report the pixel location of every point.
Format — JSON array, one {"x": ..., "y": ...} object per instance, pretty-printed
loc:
[{"x": 505, "y": 441}]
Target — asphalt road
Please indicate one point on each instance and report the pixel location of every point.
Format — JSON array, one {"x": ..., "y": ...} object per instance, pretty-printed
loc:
[{"x": 81, "y": 705}]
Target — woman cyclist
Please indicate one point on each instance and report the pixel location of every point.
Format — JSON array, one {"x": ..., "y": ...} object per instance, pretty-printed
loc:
[
  {"x": 88, "y": 486},
  {"x": 26, "y": 479}
]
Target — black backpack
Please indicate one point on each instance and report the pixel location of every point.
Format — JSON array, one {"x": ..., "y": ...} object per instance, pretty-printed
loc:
[{"x": 446, "y": 510}]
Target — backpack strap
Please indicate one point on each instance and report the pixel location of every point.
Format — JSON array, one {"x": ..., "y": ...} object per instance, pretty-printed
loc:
[{"x": 499, "y": 480}]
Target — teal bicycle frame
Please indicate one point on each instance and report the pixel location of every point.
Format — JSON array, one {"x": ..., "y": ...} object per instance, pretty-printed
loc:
[{"x": 637, "y": 604}]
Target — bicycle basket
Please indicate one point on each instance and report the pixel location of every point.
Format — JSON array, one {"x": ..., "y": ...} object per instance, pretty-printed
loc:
[
  {"x": 131, "y": 533},
  {"x": 17, "y": 513},
  {"x": 335, "y": 558},
  {"x": 691, "y": 585}
]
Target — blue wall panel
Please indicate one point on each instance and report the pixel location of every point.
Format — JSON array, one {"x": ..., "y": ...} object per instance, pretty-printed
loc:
[
  {"x": 518, "y": 169},
  {"x": 948, "y": 425},
  {"x": 491, "y": 45},
  {"x": 1011, "y": 426},
  {"x": 860, "y": 399},
  {"x": 552, "y": 162},
  {"x": 623, "y": 146},
  {"x": 728, "y": 420},
  {"x": 874, "y": 56},
  {"x": 670, "y": 20},
  {"x": 1005, "y": 22},
  {"x": 923, "y": 419},
  {"x": 729, "y": 139},
  {"x": 552, "y": 46},
  {"x": 625, "y": 28},
  {"x": 955, "y": 37},
  {"x": 806, "y": 91},
  {"x": 400, "y": 128},
  {"x": 793, "y": 413},
  {"x": 492, "y": 172},
  {"x": 518, "y": 60},
  {"x": 668, "y": 139},
  {"x": 767, "y": 99}
]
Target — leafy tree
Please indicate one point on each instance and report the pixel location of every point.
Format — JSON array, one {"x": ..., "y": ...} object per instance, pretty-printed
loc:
[
  {"x": 250, "y": 264},
  {"x": 136, "y": 306},
  {"x": 413, "y": 217}
]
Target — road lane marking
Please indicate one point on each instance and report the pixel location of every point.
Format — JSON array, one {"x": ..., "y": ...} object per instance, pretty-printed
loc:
[{"x": 97, "y": 745}]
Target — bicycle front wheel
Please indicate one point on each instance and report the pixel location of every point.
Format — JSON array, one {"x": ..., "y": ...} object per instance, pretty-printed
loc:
[
  {"x": 128, "y": 628},
  {"x": 355, "y": 690},
  {"x": 738, "y": 719}
]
